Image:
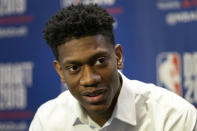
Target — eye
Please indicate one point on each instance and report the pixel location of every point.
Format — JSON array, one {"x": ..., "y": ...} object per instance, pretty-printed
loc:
[
  {"x": 73, "y": 68},
  {"x": 100, "y": 61}
]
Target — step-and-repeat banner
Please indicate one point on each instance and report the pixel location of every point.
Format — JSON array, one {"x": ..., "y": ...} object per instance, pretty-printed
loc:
[{"x": 159, "y": 39}]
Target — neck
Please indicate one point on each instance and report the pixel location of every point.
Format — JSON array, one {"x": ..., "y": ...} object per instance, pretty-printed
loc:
[{"x": 102, "y": 117}]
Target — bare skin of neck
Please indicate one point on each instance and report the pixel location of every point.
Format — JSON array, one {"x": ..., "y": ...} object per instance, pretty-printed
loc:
[{"x": 102, "y": 118}]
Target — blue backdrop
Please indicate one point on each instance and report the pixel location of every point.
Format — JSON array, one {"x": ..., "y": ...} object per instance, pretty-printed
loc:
[{"x": 158, "y": 38}]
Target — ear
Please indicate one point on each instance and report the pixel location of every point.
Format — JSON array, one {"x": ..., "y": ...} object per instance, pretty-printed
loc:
[
  {"x": 58, "y": 69},
  {"x": 119, "y": 57}
]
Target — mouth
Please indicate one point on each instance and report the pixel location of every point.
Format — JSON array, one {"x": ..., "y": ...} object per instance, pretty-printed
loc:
[{"x": 94, "y": 96}]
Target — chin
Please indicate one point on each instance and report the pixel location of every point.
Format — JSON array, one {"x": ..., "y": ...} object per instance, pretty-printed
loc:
[{"x": 97, "y": 108}]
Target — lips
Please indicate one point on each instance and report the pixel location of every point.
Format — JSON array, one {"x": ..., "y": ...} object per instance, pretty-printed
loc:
[{"x": 95, "y": 96}]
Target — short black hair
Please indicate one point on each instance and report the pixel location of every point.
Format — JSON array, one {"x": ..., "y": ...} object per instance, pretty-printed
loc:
[{"x": 78, "y": 21}]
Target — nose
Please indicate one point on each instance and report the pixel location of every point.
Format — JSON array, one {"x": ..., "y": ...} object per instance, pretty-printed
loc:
[{"x": 89, "y": 78}]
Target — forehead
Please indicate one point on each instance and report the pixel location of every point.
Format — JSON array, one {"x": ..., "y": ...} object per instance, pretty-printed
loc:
[{"x": 82, "y": 48}]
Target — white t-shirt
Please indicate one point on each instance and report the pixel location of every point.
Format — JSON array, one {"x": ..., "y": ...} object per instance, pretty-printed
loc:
[{"x": 140, "y": 107}]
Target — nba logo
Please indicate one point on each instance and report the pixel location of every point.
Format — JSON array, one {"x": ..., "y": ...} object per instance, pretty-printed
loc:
[{"x": 169, "y": 71}]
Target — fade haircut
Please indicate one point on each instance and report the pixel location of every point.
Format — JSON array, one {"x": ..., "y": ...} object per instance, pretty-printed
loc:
[{"x": 78, "y": 21}]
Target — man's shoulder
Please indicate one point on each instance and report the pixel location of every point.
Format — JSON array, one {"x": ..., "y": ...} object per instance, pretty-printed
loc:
[
  {"x": 60, "y": 108},
  {"x": 164, "y": 108},
  {"x": 154, "y": 94},
  {"x": 64, "y": 101},
  {"x": 56, "y": 114}
]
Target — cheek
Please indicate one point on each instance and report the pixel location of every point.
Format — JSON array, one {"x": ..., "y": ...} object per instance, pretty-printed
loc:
[
  {"x": 71, "y": 80},
  {"x": 74, "y": 91},
  {"x": 110, "y": 75},
  {"x": 72, "y": 83}
]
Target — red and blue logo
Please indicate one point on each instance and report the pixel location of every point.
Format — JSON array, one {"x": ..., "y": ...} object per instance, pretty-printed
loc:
[{"x": 169, "y": 71}]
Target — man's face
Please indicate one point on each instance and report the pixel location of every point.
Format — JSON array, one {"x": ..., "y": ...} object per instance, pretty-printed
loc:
[{"x": 89, "y": 68}]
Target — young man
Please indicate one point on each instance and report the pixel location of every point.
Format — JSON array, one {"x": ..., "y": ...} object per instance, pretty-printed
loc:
[{"x": 99, "y": 97}]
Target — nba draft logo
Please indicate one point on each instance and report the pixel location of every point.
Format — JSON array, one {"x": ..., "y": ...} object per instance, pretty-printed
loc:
[
  {"x": 176, "y": 11},
  {"x": 182, "y": 81},
  {"x": 169, "y": 71}
]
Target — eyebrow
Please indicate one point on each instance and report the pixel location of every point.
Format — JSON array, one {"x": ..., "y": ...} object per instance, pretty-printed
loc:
[
  {"x": 99, "y": 55},
  {"x": 90, "y": 59}
]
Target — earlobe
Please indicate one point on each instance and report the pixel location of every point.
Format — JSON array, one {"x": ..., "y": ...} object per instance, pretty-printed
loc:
[
  {"x": 119, "y": 57},
  {"x": 58, "y": 69},
  {"x": 120, "y": 66}
]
